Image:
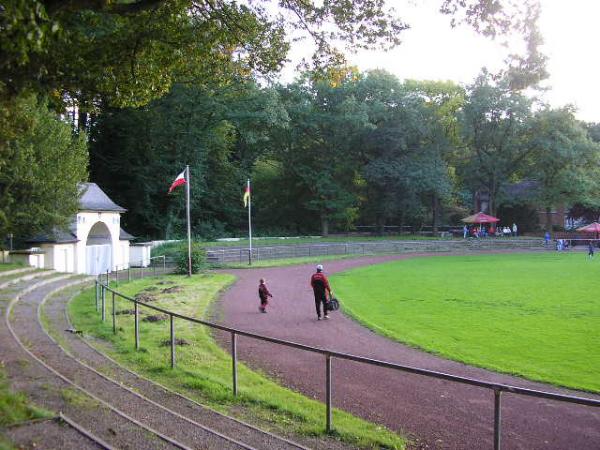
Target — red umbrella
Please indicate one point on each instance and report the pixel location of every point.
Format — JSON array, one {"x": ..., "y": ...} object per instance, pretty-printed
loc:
[
  {"x": 593, "y": 227},
  {"x": 480, "y": 218}
]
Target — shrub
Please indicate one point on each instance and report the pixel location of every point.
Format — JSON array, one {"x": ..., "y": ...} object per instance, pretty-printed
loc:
[{"x": 198, "y": 259}]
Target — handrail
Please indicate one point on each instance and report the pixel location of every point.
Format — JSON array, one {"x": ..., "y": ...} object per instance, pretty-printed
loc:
[
  {"x": 497, "y": 388},
  {"x": 376, "y": 362}
]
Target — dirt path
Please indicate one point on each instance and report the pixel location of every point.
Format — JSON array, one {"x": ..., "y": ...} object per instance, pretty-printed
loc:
[
  {"x": 184, "y": 423},
  {"x": 437, "y": 414}
]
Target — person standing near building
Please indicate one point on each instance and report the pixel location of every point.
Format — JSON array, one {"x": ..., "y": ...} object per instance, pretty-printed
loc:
[
  {"x": 514, "y": 230},
  {"x": 321, "y": 288},
  {"x": 465, "y": 232},
  {"x": 263, "y": 294},
  {"x": 590, "y": 250}
]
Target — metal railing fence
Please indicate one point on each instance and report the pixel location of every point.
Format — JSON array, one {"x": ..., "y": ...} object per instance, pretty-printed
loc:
[
  {"x": 158, "y": 266},
  {"x": 259, "y": 253},
  {"x": 498, "y": 389}
]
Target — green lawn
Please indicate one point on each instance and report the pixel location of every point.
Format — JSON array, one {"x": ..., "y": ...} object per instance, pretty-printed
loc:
[
  {"x": 203, "y": 369},
  {"x": 10, "y": 266},
  {"x": 534, "y": 315}
]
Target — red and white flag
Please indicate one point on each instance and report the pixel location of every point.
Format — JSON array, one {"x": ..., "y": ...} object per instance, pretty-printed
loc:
[{"x": 178, "y": 181}]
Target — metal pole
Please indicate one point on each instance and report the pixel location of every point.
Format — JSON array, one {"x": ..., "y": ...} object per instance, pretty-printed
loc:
[
  {"x": 114, "y": 314},
  {"x": 497, "y": 417},
  {"x": 107, "y": 277},
  {"x": 103, "y": 302},
  {"x": 142, "y": 275},
  {"x": 97, "y": 297},
  {"x": 328, "y": 392},
  {"x": 249, "y": 223},
  {"x": 189, "y": 226},
  {"x": 234, "y": 362},
  {"x": 164, "y": 264},
  {"x": 128, "y": 273},
  {"x": 172, "y": 341},
  {"x": 117, "y": 276},
  {"x": 154, "y": 269},
  {"x": 137, "y": 326}
]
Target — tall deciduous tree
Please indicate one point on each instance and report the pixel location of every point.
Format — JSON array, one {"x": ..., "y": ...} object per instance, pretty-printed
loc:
[
  {"x": 565, "y": 161},
  {"x": 41, "y": 164},
  {"x": 218, "y": 131},
  {"x": 494, "y": 125}
]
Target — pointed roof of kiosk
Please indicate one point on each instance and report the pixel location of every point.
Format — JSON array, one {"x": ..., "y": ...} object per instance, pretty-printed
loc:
[{"x": 94, "y": 199}]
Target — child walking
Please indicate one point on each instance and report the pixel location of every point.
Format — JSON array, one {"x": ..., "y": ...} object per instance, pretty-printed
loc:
[
  {"x": 590, "y": 250},
  {"x": 263, "y": 294}
]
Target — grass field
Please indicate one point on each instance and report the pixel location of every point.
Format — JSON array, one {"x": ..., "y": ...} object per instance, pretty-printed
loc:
[
  {"x": 203, "y": 369},
  {"x": 10, "y": 266},
  {"x": 533, "y": 315}
]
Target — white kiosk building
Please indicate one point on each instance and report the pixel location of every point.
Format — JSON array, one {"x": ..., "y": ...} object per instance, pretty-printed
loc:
[{"x": 94, "y": 242}]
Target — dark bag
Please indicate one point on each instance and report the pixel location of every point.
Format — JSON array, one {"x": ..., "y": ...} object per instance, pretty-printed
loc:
[{"x": 333, "y": 304}]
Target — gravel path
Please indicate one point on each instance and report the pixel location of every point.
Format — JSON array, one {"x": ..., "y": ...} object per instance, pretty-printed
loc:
[
  {"x": 54, "y": 311},
  {"x": 49, "y": 434},
  {"x": 184, "y": 431},
  {"x": 49, "y": 391},
  {"x": 435, "y": 413}
]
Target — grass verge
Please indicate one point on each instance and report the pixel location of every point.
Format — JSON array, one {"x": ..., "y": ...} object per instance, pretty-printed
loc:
[
  {"x": 10, "y": 266},
  {"x": 532, "y": 315},
  {"x": 14, "y": 406},
  {"x": 203, "y": 370},
  {"x": 291, "y": 261}
]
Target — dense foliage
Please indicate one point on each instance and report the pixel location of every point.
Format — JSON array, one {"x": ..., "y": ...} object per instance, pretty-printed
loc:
[
  {"x": 160, "y": 84},
  {"x": 41, "y": 163},
  {"x": 328, "y": 154}
]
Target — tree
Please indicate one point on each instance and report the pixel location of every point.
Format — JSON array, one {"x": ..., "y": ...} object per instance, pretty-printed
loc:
[
  {"x": 318, "y": 150},
  {"x": 41, "y": 165},
  {"x": 494, "y": 123},
  {"x": 443, "y": 100},
  {"x": 130, "y": 52},
  {"x": 218, "y": 131},
  {"x": 565, "y": 160}
]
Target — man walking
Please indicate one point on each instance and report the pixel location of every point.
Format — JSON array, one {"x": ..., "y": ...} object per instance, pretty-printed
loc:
[{"x": 320, "y": 285}]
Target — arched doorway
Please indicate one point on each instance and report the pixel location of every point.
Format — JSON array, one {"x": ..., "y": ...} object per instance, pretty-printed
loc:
[{"x": 98, "y": 249}]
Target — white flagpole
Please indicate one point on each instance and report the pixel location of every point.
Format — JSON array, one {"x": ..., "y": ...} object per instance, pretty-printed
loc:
[
  {"x": 189, "y": 227},
  {"x": 249, "y": 223}
]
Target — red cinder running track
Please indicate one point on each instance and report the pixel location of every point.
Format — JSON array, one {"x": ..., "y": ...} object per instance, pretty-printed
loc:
[{"x": 434, "y": 413}]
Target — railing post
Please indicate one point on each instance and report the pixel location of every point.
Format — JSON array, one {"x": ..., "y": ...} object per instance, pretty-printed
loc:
[
  {"x": 164, "y": 264},
  {"x": 103, "y": 302},
  {"x": 129, "y": 273},
  {"x": 328, "y": 392},
  {"x": 497, "y": 417},
  {"x": 137, "y": 326},
  {"x": 234, "y": 362},
  {"x": 172, "y": 341},
  {"x": 97, "y": 297},
  {"x": 114, "y": 314},
  {"x": 107, "y": 277},
  {"x": 154, "y": 269},
  {"x": 142, "y": 273},
  {"x": 117, "y": 276}
]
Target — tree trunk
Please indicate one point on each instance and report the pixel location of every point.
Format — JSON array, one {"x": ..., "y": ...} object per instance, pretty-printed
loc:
[
  {"x": 380, "y": 226},
  {"x": 548, "y": 219},
  {"x": 435, "y": 212},
  {"x": 324, "y": 224}
]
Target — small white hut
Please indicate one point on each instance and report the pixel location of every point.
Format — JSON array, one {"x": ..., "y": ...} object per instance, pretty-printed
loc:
[{"x": 94, "y": 242}]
